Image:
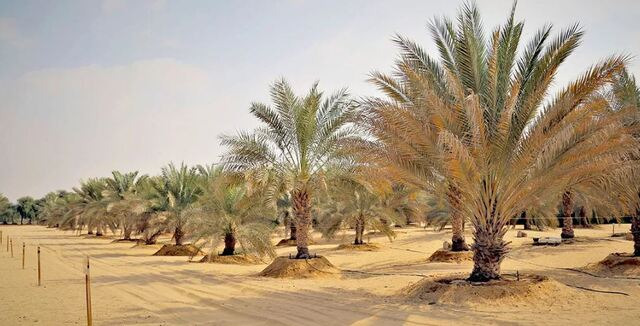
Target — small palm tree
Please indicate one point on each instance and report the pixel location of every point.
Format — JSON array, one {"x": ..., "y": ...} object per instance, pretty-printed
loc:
[
  {"x": 87, "y": 208},
  {"x": 479, "y": 120},
  {"x": 299, "y": 138},
  {"x": 367, "y": 203},
  {"x": 227, "y": 211},
  {"x": 174, "y": 191},
  {"x": 120, "y": 195}
]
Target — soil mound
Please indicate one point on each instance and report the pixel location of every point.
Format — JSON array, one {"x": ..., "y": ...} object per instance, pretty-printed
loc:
[
  {"x": 360, "y": 247},
  {"x": 286, "y": 243},
  {"x": 284, "y": 267},
  {"x": 231, "y": 260},
  {"x": 175, "y": 250},
  {"x": 456, "y": 290},
  {"x": 290, "y": 243},
  {"x": 617, "y": 264},
  {"x": 448, "y": 256}
]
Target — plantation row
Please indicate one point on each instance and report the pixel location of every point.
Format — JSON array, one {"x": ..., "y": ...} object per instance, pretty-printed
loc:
[{"x": 471, "y": 137}]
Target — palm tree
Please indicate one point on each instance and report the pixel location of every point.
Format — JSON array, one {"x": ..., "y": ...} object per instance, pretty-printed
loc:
[
  {"x": 4, "y": 203},
  {"x": 174, "y": 191},
  {"x": 300, "y": 137},
  {"x": 227, "y": 211},
  {"x": 88, "y": 208},
  {"x": 479, "y": 120},
  {"x": 120, "y": 194},
  {"x": 367, "y": 202},
  {"x": 26, "y": 207}
]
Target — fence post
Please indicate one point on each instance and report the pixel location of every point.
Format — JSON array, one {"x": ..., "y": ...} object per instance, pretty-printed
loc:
[
  {"x": 87, "y": 278},
  {"x": 23, "y": 255},
  {"x": 0, "y": 237},
  {"x": 11, "y": 241},
  {"x": 7, "y": 243},
  {"x": 39, "y": 274}
]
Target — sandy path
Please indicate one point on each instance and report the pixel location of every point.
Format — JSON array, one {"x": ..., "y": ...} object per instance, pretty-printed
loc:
[{"x": 130, "y": 287}]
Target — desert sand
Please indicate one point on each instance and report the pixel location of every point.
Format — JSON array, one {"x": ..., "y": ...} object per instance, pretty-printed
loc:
[{"x": 132, "y": 287}]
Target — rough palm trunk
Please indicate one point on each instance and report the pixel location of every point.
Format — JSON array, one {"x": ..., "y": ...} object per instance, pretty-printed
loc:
[
  {"x": 292, "y": 230},
  {"x": 458, "y": 242},
  {"x": 229, "y": 244},
  {"x": 178, "y": 235},
  {"x": 127, "y": 230},
  {"x": 360, "y": 223},
  {"x": 153, "y": 238},
  {"x": 527, "y": 223},
  {"x": 302, "y": 214},
  {"x": 489, "y": 249},
  {"x": 635, "y": 230},
  {"x": 582, "y": 213},
  {"x": 567, "y": 213}
]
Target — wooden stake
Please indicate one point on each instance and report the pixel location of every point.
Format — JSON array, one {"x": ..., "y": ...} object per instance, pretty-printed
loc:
[
  {"x": 7, "y": 243},
  {"x": 23, "y": 255},
  {"x": 11, "y": 241},
  {"x": 87, "y": 279},
  {"x": 39, "y": 274},
  {"x": 0, "y": 237}
]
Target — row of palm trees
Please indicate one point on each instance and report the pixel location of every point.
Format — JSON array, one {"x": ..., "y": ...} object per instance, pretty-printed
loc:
[{"x": 475, "y": 125}]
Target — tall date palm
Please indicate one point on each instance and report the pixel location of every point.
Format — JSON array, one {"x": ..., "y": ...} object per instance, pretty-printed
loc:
[
  {"x": 478, "y": 120},
  {"x": 299, "y": 137}
]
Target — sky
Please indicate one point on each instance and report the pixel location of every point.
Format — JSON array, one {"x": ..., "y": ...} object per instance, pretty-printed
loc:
[{"x": 88, "y": 87}]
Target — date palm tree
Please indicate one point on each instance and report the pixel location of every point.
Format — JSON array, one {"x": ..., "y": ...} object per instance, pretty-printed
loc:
[
  {"x": 367, "y": 203},
  {"x": 120, "y": 194},
  {"x": 300, "y": 136},
  {"x": 173, "y": 192},
  {"x": 479, "y": 120},
  {"x": 226, "y": 211}
]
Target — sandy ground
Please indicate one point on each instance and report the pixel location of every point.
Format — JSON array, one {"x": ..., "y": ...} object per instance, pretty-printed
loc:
[{"x": 131, "y": 287}]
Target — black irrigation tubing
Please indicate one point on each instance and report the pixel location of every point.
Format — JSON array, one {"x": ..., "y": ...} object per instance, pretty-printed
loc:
[
  {"x": 594, "y": 290},
  {"x": 575, "y": 270}
]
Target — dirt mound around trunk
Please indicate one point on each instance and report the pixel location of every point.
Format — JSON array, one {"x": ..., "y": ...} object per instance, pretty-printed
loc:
[
  {"x": 290, "y": 243},
  {"x": 285, "y": 267},
  {"x": 456, "y": 290},
  {"x": 231, "y": 260},
  {"x": 448, "y": 256},
  {"x": 181, "y": 250},
  {"x": 358, "y": 247},
  {"x": 127, "y": 240},
  {"x": 617, "y": 264}
]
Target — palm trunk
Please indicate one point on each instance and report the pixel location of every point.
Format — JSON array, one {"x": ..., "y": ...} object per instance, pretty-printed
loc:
[
  {"x": 292, "y": 230},
  {"x": 527, "y": 223},
  {"x": 153, "y": 238},
  {"x": 583, "y": 217},
  {"x": 127, "y": 230},
  {"x": 489, "y": 248},
  {"x": 635, "y": 230},
  {"x": 360, "y": 223},
  {"x": 567, "y": 213},
  {"x": 229, "y": 244},
  {"x": 178, "y": 234},
  {"x": 458, "y": 242},
  {"x": 302, "y": 214}
]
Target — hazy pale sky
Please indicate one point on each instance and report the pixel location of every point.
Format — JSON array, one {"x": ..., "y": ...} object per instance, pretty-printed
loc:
[{"x": 87, "y": 87}]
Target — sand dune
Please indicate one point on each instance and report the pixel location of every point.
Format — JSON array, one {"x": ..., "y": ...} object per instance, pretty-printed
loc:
[{"x": 131, "y": 287}]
